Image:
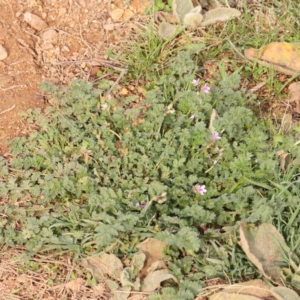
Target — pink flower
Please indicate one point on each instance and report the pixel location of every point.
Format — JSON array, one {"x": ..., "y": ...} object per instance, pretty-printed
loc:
[
  {"x": 195, "y": 82},
  {"x": 205, "y": 89},
  {"x": 201, "y": 189},
  {"x": 215, "y": 136},
  {"x": 193, "y": 117}
]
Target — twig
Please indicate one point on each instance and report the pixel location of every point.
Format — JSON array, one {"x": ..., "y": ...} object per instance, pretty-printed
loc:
[
  {"x": 120, "y": 138},
  {"x": 134, "y": 293},
  {"x": 294, "y": 76},
  {"x": 238, "y": 52},
  {"x": 104, "y": 62},
  {"x": 76, "y": 37},
  {"x": 123, "y": 72},
  {"x": 7, "y": 110},
  {"x": 257, "y": 87},
  {"x": 35, "y": 36},
  {"x": 13, "y": 15},
  {"x": 50, "y": 261},
  {"x": 13, "y": 87}
]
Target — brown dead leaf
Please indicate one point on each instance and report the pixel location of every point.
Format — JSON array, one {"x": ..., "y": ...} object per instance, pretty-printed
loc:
[
  {"x": 256, "y": 288},
  {"x": 122, "y": 294},
  {"x": 166, "y": 30},
  {"x": 74, "y": 285},
  {"x": 220, "y": 14},
  {"x": 105, "y": 264},
  {"x": 138, "y": 297},
  {"x": 263, "y": 246},
  {"x": 287, "y": 122},
  {"x": 282, "y": 293},
  {"x": 283, "y": 57},
  {"x": 154, "y": 251},
  {"x": 162, "y": 16},
  {"x": 157, "y": 265},
  {"x": 294, "y": 95},
  {"x": 153, "y": 248},
  {"x": 284, "y": 159},
  {"x": 154, "y": 279},
  {"x": 231, "y": 296}
]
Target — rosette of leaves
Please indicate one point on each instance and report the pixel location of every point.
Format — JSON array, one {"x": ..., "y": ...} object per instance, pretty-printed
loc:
[{"x": 193, "y": 17}]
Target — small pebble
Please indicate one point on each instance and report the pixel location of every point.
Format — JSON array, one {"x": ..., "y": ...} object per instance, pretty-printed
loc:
[
  {"x": 35, "y": 21},
  {"x": 3, "y": 53},
  {"x": 109, "y": 27},
  {"x": 49, "y": 35},
  {"x": 116, "y": 14}
]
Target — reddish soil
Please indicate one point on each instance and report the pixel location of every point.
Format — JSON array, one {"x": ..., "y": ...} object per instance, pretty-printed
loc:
[{"x": 73, "y": 44}]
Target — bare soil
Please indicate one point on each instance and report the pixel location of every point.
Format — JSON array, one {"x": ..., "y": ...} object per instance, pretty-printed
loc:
[{"x": 73, "y": 44}]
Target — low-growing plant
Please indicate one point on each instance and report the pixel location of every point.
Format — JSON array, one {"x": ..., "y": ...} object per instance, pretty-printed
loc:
[
  {"x": 162, "y": 5},
  {"x": 180, "y": 166}
]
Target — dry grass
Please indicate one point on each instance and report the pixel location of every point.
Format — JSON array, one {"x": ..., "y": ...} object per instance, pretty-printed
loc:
[{"x": 42, "y": 277}]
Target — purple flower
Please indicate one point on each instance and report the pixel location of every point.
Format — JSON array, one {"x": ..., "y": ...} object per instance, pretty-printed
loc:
[
  {"x": 195, "y": 82},
  {"x": 205, "y": 89},
  {"x": 215, "y": 136},
  {"x": 201, "y": 189},
  {"x": 193, "y": 117},
  {"x": 137, "y": 204}
]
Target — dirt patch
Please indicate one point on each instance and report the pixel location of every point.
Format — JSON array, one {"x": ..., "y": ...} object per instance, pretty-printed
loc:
[
  {"x": 19, "y": 77},
  {"x": 72, "y": 42}
]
